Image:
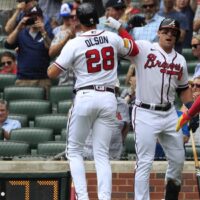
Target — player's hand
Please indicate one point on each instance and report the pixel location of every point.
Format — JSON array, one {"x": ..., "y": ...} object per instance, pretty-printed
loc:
[
  {"x": 183, "y": 119},
  {"x": 194, "y": 123},
  {"x": 113, "y": 23}
]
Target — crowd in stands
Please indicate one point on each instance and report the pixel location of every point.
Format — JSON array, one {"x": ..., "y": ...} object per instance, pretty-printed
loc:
[{"x": 37, "y": 31}]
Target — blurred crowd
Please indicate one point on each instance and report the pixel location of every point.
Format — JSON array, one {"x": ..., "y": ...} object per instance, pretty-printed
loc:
[{"x": 37, "y": 31}]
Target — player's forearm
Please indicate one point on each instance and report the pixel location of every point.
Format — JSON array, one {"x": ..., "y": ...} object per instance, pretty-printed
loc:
[
  {"x": 124, "y": 34},
  {"x": 195, "y": 108}
]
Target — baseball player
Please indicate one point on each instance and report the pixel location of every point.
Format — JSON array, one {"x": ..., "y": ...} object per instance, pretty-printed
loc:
[
  {"x": 93, "y": 57},
  {"x": 189, "y": 115},
  {"x": 160, "y": 73}
]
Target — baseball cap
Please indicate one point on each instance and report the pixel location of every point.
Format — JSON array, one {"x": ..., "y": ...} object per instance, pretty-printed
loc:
[
  {"x": 36, "y": 10},
  {"x": 116, "y": 4},
  {"x": 65, "y": 10}
]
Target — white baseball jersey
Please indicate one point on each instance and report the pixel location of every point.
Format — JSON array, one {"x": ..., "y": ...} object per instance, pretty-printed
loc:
[
  {"x": 93, "y": 57},
  {"x": 158, "y": 74}
]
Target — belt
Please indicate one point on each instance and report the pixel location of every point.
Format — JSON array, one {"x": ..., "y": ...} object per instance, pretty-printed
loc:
[
  {"x": 165, "y": 107},
  {"x": 97, "y": 88}
]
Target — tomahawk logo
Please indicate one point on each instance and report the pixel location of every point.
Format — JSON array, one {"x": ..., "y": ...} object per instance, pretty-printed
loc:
[
  {"x": 119, "y": 1},
  {"x": 172, "y": 23}
]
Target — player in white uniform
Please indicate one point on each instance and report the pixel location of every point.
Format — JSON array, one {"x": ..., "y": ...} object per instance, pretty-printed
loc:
[
  {"x": 160, "y": 73},
  {"x": 93, "y": 57}
]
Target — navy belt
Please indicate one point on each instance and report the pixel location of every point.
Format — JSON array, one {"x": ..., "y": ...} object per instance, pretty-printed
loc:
[
  {"x": 97, "y": 88},
  {"x": 155, "y": 107}
]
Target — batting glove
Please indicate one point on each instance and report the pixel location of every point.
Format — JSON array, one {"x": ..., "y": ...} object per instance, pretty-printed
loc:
[
  {"x": 113, "y": 23},
  {"x": 183, "y": 119}
]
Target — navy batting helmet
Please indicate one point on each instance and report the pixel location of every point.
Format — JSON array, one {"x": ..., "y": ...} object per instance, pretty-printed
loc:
[
  {"x": 87, "y": 14},
  {"x": 169, "y": 23}
]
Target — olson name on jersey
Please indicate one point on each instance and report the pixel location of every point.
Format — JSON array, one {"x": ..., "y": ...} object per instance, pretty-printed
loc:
[{"x": 96, "y": 41}]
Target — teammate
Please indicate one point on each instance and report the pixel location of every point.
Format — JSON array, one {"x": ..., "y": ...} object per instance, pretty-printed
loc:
[
  {"x": 189, "y": 115},
  {"x": 93, "y": 57},
  {"x": 160, "y": 72}
]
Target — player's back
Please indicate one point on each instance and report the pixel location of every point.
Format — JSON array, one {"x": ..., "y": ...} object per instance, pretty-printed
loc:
[{"x": 93, "y": 56}]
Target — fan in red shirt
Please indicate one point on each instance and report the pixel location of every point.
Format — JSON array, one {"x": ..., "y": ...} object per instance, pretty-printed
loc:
[{"x": 8, "y": 63}]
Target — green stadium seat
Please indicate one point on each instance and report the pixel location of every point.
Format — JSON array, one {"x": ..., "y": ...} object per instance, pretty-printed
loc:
[
  {"x": 57, "y": 122},
  {"x": 187, "y": 53},
  {"x": 124, "y": 67},
  {"x": 22, "y": 92},
  {"x": 6, "y": 80},
  {"x": 32, "y": 136},
  {"x": 129, "y": 144},
  {"x": 63, "y": 134},
  {"x": 20, "y": 117},
  {"x": 13, "y": 148},
  {"x": 1, "y": 134},
  {"x": 191, "y": 66},
  {"x": 189, "y": 152},
  {"x": 122, "y": 80},
  {"x": 64, "y": 106},
  {"x": 31, "y": 108},
  {"x": 51, "y": 148},
  {"x": 60, "y": 93}
]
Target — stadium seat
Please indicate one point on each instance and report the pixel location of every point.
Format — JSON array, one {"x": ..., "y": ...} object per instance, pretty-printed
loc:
[
  {"x": 31, "y": 108},
  {"x": 64, "y": 106},
  {"x": 20, "y": 117},
  {"x": 1, "y": 134},
  {"x": 51, "y": 148},
  {"x": 22, "y": 92},
  {"x": 57, "y": 122},
  {"x": 129, "y": 144},
  {"x": 32, "y": 136},
  {"x": 124, "y": 67},
  {"x": 187, "y": 53},
  {"x": 63, "y": 134},
  {"x": 6, "y": 80},
  {"x": 60, "y": 93},
  {"x": 13, "y": 148}
]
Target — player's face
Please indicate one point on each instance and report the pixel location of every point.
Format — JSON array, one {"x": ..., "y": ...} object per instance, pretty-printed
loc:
[
  {"x": 3, "y": 113},
  {"x": 167, "y": 39},
  {"x": 195, "y": 47},
  {"x": 116, "y": 13}
]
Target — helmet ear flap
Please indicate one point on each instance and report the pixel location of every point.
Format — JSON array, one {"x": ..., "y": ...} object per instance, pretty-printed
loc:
[{"x": 87, "y": 14}]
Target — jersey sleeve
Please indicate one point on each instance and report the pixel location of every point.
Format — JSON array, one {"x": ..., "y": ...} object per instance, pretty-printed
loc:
[{"x": 66, "y": 57}]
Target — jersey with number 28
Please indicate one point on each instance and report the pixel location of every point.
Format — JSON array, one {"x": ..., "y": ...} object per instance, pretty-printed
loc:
[{"x": 93, "y": 57}]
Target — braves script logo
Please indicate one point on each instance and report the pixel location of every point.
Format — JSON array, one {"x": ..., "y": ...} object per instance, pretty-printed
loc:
[{"x": 167, "y": 68}]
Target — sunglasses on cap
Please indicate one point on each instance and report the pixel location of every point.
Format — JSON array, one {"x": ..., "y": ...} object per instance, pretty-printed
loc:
[
  {"x": 195, "y": 46},
  {"x": 148, "y": 6},
  {"x": 195, "y": 85},
  {"x": 8, "y": 63}
]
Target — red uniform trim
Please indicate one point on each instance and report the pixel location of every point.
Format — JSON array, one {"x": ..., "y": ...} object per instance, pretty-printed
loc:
[{"x": 124, "y": 34}]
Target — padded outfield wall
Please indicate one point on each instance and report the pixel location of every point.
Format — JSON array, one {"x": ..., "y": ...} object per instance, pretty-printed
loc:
[{"x": 122, "y": 177}]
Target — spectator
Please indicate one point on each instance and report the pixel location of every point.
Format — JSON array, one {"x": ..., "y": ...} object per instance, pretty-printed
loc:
[
  {"x": 119, "y": 132},
  {"x": 148, "y": 31},
  {"x": 129, "y": 11},
  {"x": 62, "y": 34},
  {"x": 195, "y": 43},
  {"x": 188, "y": 8},
  {"x": 8, "y": 63},
  {"x": 169, "y": 12},
  {"x": 51, "y": 9},
  {"x": 5, "y": 123},
  {"x": 23, "y": 6},
  {"x": 33, "y": 44},
  {"x": 115, "y": 9}
]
